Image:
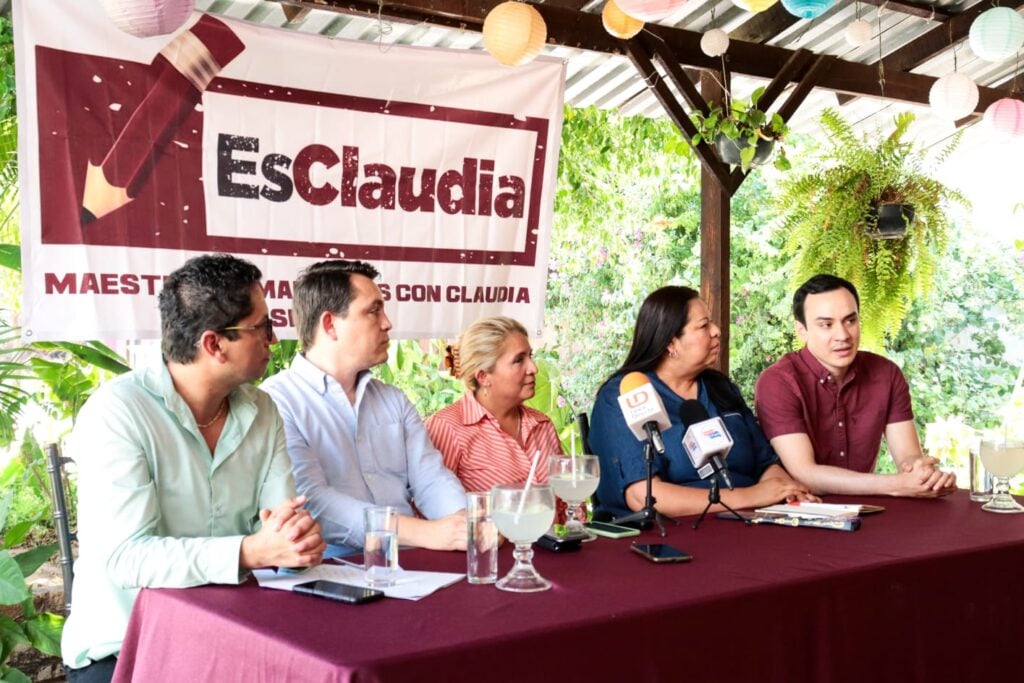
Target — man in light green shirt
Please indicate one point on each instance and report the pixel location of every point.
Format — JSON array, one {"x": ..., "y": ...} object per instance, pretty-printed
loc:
[{"x": 183, "y": 474}]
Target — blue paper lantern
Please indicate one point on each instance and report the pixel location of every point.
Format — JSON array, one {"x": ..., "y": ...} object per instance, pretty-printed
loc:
[
  {"x": 997, "y": 34},
  {"x": 807, "y": 9}
]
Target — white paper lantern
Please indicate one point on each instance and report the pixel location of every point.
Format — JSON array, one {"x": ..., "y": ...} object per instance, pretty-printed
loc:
[
  {"x": 146, "y": 18},
  {"x": 953, "y": 96},
  {"x": 858, "y": 33},
  {"x": 618, "y": 23},
  {"x": 650, "y": 10},
  {"x": 514, "y": 33},
  {"x": 1005, "y": 117},
  {"x": 997, "y": 34},
  {"x": 754, "y": 6},
  {"x": 714, "y": 42}
]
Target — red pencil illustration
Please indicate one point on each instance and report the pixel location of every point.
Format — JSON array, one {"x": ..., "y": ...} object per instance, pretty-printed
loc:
[{"x": 185, "y": 66}]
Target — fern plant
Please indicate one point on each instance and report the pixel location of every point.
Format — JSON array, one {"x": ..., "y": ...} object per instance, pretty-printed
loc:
[{"x": 829, "y": 224}]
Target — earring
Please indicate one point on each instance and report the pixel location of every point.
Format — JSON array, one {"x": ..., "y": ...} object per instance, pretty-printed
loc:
[
  {"x": 487, "y": 388},
  {"x": 672, "y": 353}
]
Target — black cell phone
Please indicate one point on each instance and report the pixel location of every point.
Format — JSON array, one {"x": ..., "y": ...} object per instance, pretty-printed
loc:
[
  {"x": 559, "y": 545},
  {"x": 343, "y": 592},
  {"x": 660, "y": 552}
]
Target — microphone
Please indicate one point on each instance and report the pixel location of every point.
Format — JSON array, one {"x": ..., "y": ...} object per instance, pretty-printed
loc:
[
  {"x": 706, "y": 441},
  {"x": 643, "y": 409}
]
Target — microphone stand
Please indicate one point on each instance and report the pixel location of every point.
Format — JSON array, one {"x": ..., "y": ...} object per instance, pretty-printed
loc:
[
  {"x": 647, "y": 516},
  {"x": 715, "y": 497}
]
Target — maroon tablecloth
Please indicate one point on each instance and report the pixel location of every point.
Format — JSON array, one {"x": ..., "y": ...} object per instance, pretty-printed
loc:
[{"x": 925, "y": 591}]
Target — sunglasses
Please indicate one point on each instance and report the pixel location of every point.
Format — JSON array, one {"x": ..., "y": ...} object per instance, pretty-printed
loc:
[{"x": 267, "y": 326}]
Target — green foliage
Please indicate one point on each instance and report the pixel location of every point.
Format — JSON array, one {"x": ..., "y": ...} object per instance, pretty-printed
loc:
[
  {"x": 41, "y": 631},
  {"x": 417, "y": 368},
  {"x": 281, "y": 355},
  {"x": 829, "y": 226},
  {"x": 960, "y": 347},
  {"x": 12, "y": 373},
  {"x": 10, "y": 257},
  {"x": 7, "y": 98},
  {"x": 626, "y": 216},
  {"x": 745, "y": 124}
]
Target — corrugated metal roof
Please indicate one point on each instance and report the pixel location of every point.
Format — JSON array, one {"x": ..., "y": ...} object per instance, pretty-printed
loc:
[{"x": 611, "y": 81}]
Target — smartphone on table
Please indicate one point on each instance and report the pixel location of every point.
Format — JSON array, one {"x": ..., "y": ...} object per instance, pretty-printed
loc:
[
  {"x": 342, "y": 592},
  {"x": 661, "y": 552},
  {"x": 609, "y": 530}
]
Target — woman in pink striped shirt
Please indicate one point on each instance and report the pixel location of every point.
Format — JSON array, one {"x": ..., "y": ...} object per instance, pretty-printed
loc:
[{"x": 488, "y": 436}]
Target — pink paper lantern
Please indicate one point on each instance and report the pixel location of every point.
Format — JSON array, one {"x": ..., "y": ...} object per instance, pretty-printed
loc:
[
  {"x": 146, "y": 18},
  {"x": 1006, "y": 117},
  {"x": 649, "y": 10}
]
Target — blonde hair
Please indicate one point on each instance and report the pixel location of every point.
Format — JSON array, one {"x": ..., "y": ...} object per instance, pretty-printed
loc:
[{"x": 480, "y": 346}]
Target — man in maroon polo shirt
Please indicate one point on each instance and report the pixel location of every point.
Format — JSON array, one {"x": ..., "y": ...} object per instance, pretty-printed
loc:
[{"x": 826, "y": 407}]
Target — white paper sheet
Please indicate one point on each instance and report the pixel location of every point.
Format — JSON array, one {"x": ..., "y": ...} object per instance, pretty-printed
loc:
[{"x": 410, "y": 585}]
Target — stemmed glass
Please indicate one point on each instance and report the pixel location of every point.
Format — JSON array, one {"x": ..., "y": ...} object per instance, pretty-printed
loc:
[
  {"x": 574, "y": 479},
  {"x": 1003, "y": 459},
  {"x": 523, "y": 512}
]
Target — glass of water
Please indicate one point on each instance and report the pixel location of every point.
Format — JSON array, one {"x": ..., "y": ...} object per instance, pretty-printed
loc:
[
  {"x": 574, "y": 479},
  {"x": 523, "y": 512},
  {"x": 1003, "y": 459},
  {"x": 380, "y": 545}
]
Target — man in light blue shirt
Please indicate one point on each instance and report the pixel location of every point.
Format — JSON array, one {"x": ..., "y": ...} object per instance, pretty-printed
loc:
[
  {"x": 183, "y": 473},
  {"x": 355, "y": 441}
]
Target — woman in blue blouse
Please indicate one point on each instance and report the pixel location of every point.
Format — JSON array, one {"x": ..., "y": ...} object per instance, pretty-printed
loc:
[{"x": 675, "y": 344}]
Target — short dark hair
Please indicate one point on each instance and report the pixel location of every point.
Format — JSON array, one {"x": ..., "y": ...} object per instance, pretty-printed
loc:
[
  {"x": 325, "y": 286},
  {"x": 209, "y": 292},
  {"x": 662, "y": 317},
  {"x": 819, "y": 284}
]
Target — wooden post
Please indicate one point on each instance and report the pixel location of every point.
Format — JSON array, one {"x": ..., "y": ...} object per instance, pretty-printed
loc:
[{"x": 715, "y": 212}]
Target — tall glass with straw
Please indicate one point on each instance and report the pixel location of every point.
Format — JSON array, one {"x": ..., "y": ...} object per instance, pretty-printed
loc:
[
  {"x": 574, "y": 478},
  {"x": 523, "y": 512}
]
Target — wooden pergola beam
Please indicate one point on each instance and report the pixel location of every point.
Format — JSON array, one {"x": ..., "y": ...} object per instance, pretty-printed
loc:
[
  {"x": 763, "y": 26},
  {"x": 930, "y": 44},
  {"x": 641, "y": 57},
  {"x": 584, "y": 30}
]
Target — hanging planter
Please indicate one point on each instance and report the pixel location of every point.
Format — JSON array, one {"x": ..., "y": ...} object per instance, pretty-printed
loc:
[
  {"x": 844, "y": 216},
  {"x": 741, "y": 125},
  {"x": 731, "y": 150},
  {"x": 890, "y": 220}
]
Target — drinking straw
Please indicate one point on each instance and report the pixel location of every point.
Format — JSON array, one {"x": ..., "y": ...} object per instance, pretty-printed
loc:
[
  {"x": 572, "y": 441},
  {"x": 529, "y": 480}
]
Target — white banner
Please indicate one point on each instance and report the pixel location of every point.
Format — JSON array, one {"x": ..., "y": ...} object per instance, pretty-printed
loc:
[{"x": 436, "y": 166}]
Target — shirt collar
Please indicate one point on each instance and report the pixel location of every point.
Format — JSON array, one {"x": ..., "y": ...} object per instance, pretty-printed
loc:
[
  {"x": 471, "y": 411},
  {"x": 823, "y": 374},
  {"x": 319, "y": 380},
  {"x": 158, "y": 381}
]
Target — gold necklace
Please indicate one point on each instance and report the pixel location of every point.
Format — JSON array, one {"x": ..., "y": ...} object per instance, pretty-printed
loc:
[{"x": 216, "y": 418}]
